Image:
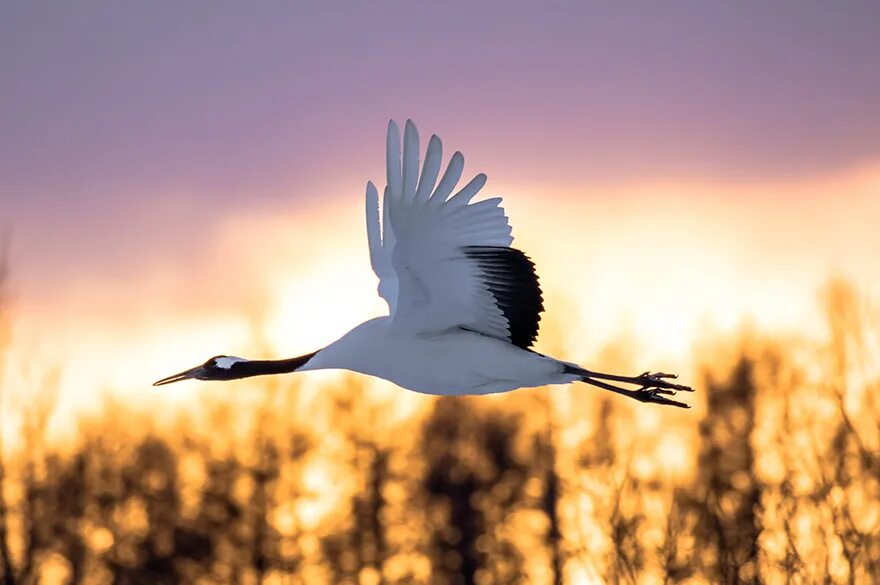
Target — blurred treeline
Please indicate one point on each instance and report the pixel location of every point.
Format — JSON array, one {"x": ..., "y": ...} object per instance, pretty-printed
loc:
[{"x": 773, "y": 477}]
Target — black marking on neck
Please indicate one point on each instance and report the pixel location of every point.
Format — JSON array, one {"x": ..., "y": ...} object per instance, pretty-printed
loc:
[{"x": 249, "y": 368}]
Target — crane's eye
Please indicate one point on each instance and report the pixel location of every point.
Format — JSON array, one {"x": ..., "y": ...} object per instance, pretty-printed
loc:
[{"x": 212, "y": 363}]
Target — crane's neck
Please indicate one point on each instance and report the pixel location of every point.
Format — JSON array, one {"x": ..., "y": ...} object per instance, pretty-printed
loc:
[
  {"x": 249, "y": 368},
  {"x": 353, "y": 351}
]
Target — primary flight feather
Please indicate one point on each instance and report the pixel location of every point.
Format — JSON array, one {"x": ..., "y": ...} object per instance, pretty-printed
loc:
[{"x": 464, "y": 307}]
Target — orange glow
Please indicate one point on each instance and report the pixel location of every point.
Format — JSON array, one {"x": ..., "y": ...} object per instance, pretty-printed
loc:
[{"x": 658, "y": 262}]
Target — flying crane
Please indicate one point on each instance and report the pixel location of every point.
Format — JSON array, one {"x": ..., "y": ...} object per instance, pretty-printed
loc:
[{"x": 464, "y": 307}]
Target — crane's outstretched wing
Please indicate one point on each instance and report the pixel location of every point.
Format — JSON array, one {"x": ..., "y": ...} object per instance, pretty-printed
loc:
[{"x": 444, "y": 262}]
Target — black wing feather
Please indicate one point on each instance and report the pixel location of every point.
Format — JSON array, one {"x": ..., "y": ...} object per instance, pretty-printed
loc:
[{"x": 511, "y": 278}]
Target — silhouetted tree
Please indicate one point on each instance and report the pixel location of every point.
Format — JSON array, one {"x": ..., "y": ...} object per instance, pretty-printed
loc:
[
  {"x": 359, "y": 542},
  {"x": 6, "y": 567},
  {"x": 545, "y": 451},
  {"x": 727, "y": 495},
  {"x": 475, "y": 478}
]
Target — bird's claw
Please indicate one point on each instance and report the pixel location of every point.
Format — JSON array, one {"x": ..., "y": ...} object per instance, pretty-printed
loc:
[
  {"x": 656, "y": 387},
  {"x": 659, "y": 381},
  {"x": 659, "y": 396}
]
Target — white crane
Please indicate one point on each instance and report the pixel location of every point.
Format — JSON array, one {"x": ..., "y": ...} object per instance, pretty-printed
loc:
[{"x": 463, "y": 305}]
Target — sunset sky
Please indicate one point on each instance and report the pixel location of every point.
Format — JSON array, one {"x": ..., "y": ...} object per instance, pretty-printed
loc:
[{"x": 186, "y": 179}]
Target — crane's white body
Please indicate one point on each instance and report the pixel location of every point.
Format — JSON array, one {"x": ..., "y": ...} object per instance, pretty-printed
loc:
[{"x": 448, "y": 363}]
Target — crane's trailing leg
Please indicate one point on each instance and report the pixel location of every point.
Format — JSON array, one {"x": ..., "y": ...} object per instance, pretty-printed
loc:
[{"x": 652, "y": 387}]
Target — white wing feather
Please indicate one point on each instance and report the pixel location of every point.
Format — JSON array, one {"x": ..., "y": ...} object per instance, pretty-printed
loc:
[{"x": 418, "y": 251}]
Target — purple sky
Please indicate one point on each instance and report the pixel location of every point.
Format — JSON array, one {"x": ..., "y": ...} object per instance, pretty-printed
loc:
[{"x": 127, "y": 128}]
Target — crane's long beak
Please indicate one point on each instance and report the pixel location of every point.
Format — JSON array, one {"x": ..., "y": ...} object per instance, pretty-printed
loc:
[{"x": 191, "y": 373}]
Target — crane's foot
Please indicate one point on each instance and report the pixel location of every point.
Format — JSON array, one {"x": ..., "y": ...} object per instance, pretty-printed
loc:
[
  {"x": 656, "y": 388},
  {"x": 659, "y": 380},
  {"x": 652, "y": 387},
  {"x": 658, "y": 396}
]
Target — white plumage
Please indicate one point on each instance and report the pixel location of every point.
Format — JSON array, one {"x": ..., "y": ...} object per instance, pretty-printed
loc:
[
  {"x": 463, "y": 305},
  {"x": 446, "y": 333},
  {"x": 429, "y": 283}
]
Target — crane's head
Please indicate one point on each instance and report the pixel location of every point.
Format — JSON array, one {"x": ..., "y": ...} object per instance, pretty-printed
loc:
[{"x": 219, "y": 367}]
